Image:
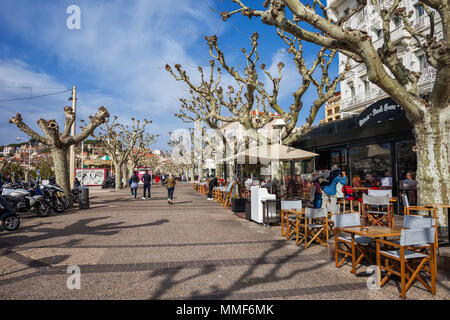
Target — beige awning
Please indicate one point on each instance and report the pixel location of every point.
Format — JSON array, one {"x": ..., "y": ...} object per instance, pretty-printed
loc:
[{"x": 267, "y": 153}]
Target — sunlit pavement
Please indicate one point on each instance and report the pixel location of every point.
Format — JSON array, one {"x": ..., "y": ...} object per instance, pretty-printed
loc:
[{"x": 148, "y": 249}]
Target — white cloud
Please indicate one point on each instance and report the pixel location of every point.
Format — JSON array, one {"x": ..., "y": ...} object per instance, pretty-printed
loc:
[{"x": 122, "y": 48}]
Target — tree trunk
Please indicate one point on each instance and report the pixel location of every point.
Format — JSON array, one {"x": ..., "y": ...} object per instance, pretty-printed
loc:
[
  {"x": 118, "y": 175},
  {"x": 62, "y": 174},
  {"x": 130, "y": 169},
  {"x": 125, "y": 175},
  {"x": 433, "y": 161}
]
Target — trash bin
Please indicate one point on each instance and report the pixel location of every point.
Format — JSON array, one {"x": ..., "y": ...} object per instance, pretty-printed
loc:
[
  {"x": 238, "y": 205},
  {"x": 84, "y": 198},
  {"x": 248, "y": 210}
]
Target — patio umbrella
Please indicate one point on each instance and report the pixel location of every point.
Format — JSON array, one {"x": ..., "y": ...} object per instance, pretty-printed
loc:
[{"x": 273, "y": 152}]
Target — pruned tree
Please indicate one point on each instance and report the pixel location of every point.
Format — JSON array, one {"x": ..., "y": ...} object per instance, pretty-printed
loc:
[
  {"x": 137, "y": 155},
  {"x": 119, "y": 140},
  {"x": 429, "y": 114},
  {"x": 153, "y": 162},
  {"x": 60, "y": 142},
  {"x": 251, "y": 104}
]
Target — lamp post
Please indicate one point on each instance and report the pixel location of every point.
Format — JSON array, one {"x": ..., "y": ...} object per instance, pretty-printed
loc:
[
  {"x": 29, "y": 158},
  {"x": 73, "y": 98},
  {"x": 279, "y": 123}
]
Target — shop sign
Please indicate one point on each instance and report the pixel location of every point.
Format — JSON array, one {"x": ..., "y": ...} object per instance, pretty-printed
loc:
[{"x": 380, "y": 111}]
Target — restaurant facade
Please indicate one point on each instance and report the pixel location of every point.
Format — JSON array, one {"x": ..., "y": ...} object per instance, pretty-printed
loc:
[{"x": 375, "y": 148}]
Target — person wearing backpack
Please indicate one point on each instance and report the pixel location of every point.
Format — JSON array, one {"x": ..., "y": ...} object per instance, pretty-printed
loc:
[{"x": 335, "y": 176}]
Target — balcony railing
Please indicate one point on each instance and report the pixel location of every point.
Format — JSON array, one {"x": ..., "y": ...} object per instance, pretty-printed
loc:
[
  {"x": 357, "y": 100},
  {"x": 421, "y": 22},
  {"x": 428, "y": 74}
]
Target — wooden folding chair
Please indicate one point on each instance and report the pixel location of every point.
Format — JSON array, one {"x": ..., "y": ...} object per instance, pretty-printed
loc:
[
  {"x": 382, "y": 215},
  {"x": 312, "y": 226},
  {"x": 357, "y": 252},
  {"x": 333, "y": 209},
  {"x": 289, "y": 211},
  {"x": 401, "y": 260},
  {"x": 419, "y": 210}
]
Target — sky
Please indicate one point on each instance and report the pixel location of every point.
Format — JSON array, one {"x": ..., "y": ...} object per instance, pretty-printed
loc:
[{"x": 117, "y": 58}]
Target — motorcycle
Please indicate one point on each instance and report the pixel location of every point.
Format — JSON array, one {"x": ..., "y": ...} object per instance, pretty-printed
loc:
[
  {"x": 55, "y": 200},
  {"x": 21, "y": 199},
  {"x": 10, "y": 220},
  {"x": 109, "y": 182},
  {"x": 59, "y": 193}
]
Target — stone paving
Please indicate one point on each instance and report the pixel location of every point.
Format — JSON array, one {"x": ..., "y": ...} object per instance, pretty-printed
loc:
[{"x": 147, "y": 249}]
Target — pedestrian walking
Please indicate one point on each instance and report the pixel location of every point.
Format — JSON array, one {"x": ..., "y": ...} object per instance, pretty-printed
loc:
[
  {"x": 147, "y": 181},
  {"x": 134, "y": 185},
  {"x": 170, "y": 185},
  {"x": 163, "y": 179}
]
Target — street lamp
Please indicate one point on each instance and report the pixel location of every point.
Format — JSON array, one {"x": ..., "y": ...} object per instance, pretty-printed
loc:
[
  {"x": 279, "y": 123},
  {"x": 29, "y": 155}
]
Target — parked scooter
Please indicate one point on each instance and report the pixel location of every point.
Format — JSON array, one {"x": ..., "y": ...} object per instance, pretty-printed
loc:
[
  {"x": 21, "y": 199},
  {"x": 10, "y": 220}
]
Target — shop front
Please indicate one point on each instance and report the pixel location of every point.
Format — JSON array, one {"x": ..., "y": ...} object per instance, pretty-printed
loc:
[{"x": 375, "y": 148}]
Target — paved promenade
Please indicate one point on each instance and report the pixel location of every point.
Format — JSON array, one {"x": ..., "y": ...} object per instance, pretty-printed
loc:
[{"x": 146, "y": 249}]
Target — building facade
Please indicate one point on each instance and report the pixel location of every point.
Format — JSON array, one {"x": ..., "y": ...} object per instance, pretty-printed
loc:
[
  {"x": 357, "y": 93},
  {"x": 332, "y": 108}
]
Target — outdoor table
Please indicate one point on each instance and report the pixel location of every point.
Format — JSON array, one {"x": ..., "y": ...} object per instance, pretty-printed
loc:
[
  {"x": 438, "y": 205},
  {"x": 372, "y": 232},
  {"x": 266, "y": 204}
]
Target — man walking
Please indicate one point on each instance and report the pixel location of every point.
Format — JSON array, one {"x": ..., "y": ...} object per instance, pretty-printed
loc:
[
  {"x": 146, "y": 180},
  {"x": 170, "y": 185}
]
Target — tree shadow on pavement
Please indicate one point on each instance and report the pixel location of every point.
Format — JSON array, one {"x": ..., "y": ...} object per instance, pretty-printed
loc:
[
  {"x": 169, "y": 282},
  {"x": 80, "y": 227},
  {"x": 246, "y": 280}
]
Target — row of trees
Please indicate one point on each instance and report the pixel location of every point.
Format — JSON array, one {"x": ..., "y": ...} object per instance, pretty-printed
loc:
[
  {"x": 124, "y": 144},
  {"x": 297, "y": 22}
]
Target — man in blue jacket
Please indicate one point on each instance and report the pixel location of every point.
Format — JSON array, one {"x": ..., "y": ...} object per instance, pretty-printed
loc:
[{"x": 329, "y": 190}]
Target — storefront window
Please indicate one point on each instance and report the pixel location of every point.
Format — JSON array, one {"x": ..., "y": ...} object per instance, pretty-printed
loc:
[{"x": 371, "y": 165}]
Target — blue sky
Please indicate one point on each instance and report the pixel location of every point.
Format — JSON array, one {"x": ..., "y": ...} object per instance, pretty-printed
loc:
[{"x": 117, "y": 59}]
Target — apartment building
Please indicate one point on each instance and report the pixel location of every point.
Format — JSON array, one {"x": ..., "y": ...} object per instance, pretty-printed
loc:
[
  {"x": 332, "y": 108},
  {"x": 357, "y": 93}
]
